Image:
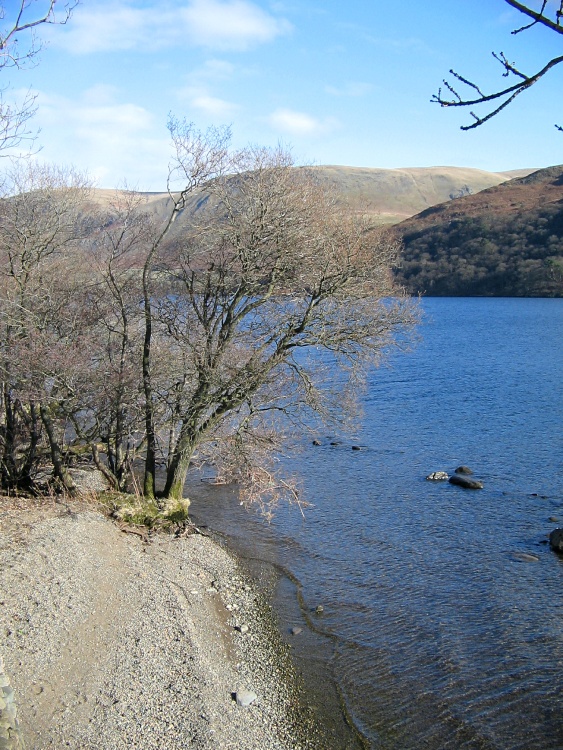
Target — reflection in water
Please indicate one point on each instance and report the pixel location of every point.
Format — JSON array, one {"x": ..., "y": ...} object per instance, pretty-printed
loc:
[{"x": 444, "y": 638}]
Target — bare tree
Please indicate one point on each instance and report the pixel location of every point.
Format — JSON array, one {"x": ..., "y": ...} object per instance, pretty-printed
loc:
[
  {"x": 19, "y": 47},
  {"x": 278, "y": 304},
  {"x": 547, "y": 14},
  {"x": 40, "y": 218},
  {"x": 199, "y": 157}
]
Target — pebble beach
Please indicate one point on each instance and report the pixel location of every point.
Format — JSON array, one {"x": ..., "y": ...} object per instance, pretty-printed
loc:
[{"x": 114, "y": 640}]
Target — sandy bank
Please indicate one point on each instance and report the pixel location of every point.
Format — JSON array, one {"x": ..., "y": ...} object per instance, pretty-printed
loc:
[{"x": 111, "y": 642}]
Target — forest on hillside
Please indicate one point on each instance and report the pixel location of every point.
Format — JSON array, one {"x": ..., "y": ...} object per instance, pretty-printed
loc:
[{"x": 516, "y": 254}]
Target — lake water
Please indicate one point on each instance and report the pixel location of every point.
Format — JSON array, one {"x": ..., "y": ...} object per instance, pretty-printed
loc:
[{"x": 437, "y": 634}]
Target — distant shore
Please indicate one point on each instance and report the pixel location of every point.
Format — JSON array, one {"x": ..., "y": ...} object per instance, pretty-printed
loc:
[{"x": 111, "y": 641}]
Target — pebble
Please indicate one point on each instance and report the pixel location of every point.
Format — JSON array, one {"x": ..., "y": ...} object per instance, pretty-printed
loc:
[
  {"x": 296, "y": 631},
  {"x": 245, "y": 697}
]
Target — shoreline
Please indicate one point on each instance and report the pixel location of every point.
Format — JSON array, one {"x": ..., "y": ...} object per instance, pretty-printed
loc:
[{"x": 112, "y": 642}]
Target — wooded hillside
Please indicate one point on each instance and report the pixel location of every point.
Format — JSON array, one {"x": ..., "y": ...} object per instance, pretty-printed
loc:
[{"x": 504, "y": 241}]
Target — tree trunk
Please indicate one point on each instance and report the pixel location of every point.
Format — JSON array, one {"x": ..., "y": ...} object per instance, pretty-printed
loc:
[
  {"x": 59, "y": 469},
  {"x": 178, "y": 467},
  {"x": 35, "y": 436},
  {"x": 9, "y": 454}
]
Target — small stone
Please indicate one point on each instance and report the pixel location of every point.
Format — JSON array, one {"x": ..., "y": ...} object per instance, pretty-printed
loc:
[
  {"x": 553, "y": 519},
  {"x": 242, "y": 628},
  {"x": 316, "y": 442},
  {"x": 296, "y": 631},
  {"x": 319, "y": 609},
  {"x": 463, "y": 470},
  {"x": 245, "y": 697}
]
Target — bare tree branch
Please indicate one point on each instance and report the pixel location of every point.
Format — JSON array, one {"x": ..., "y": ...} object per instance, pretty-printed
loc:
[
  {"x": 508, "y": 93},
  {"x": 19, "y": 46}
]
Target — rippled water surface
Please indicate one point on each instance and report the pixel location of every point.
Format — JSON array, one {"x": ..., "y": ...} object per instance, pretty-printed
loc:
[{"x": 443, "y": 637}]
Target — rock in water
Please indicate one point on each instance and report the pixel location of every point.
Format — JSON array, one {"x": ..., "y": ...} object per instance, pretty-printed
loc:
[
  {"x": 524, "y": 557},
  {"x": 467, "y": 482},
  {"x": 463, "y": 470},
  {"x": 556, "y": 540},
  {"x": 438, "y": 476}
]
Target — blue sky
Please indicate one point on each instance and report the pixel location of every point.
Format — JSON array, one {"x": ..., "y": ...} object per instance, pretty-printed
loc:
[{"x": 341, "y": 82}]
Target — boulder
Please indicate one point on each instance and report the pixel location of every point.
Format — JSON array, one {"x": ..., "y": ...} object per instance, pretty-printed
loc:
[
  {"x": 463, "y": 470},
  {"x": 467, "y": 482},
  {"x": 438, "y": 476},
  {"x": 556, "y": 540}
]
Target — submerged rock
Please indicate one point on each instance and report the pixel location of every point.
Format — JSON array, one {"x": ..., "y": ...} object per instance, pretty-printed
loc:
[
  {"x": 556, "y": 540},
  {"x": 463, "y": 470},
  {"x": 524, "y": 557},
  {"x": 467, "y": 482}
]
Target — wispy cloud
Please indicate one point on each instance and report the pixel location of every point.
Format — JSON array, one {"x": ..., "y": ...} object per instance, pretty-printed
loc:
[
  {"x": 354, "y": 88},
  {"x": 290, "y": 122},
  {"x": 214, "y": 24}
]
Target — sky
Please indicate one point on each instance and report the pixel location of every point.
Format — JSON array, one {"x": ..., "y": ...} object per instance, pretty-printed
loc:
[{"x": 346, "y": 83}]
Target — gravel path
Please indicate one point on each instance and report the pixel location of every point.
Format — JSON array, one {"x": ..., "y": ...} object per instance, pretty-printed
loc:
[{"x": 113, "y": 642}]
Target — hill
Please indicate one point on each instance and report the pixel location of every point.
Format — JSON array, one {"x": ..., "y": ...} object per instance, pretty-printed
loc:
[
  {"x": 391, "y": 195},
  {"x": 396, "y": 194},
  {"x": 504, "y": 241}
]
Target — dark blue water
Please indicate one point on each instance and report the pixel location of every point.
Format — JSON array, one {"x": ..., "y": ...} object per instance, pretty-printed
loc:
[{"x": 443, "y": 636}]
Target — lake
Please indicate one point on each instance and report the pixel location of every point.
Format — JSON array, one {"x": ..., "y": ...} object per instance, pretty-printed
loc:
[{"x": 442, "y": 622}]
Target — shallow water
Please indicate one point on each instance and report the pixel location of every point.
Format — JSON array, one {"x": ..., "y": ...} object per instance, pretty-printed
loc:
[{"x": 442, "y": 636}]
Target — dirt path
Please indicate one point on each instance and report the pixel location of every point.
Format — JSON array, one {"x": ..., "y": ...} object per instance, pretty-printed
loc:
[{"x": 111, "y": 642}]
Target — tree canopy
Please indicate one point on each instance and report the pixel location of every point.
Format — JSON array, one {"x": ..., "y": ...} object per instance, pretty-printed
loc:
[{"x": 142, "y": 342}]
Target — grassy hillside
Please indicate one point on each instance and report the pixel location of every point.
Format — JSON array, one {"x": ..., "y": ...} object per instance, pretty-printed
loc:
[
  {"x": 393, "y": 195},
  {"x": 504, "y": 241},
  {"x": 390, "y": 195}
]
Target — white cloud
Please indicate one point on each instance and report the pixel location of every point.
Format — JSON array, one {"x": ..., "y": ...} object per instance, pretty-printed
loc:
[
  {"x": 111, "y": 139},
  {"x": 231, "y": 24},
  {"x": 294, "y": 123},
  {"x": 199, "y": 98},
  {"x": 215, "y": 24}
]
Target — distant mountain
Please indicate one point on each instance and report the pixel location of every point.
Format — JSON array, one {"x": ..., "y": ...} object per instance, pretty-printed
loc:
[
  {"x": 503, "y": 241},
  {"x": 390, "y": 195},
  {"x": 393, "y": 195}
]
